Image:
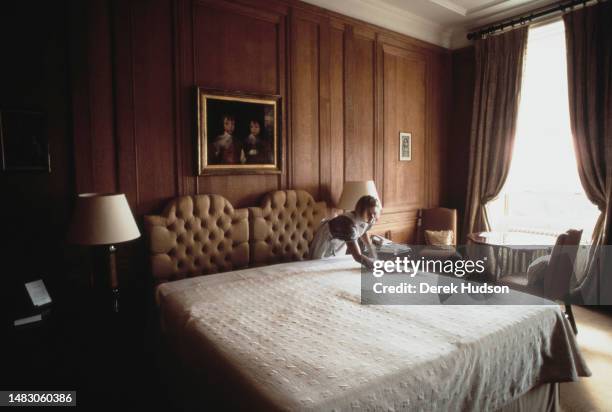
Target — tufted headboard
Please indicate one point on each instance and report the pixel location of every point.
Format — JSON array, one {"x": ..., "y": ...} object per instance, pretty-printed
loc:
[
  {"x": 283, "y": 227},
  {"x": 197, "y": 235}
]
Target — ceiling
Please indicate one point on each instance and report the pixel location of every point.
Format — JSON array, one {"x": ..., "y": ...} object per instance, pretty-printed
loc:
[{"x": 442, "y": 22}]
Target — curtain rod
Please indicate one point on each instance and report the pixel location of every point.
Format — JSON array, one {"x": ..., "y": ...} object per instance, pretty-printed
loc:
[{"x": 525, "y": 18}]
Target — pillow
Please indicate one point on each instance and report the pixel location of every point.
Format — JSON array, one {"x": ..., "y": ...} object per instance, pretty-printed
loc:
[
  {"x": 537, "y": 270},
  {"x": 439, "y": 237}
]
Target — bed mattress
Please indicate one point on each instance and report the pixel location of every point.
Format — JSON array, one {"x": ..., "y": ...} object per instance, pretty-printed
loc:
[{"x": 297, "y": 335}]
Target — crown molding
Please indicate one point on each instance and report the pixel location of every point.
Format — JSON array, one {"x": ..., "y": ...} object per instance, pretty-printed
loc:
[
  {"x": 389, "y": 17},
  {"x": 452, "y": 6},
  {"x": 400, "y": 20}
]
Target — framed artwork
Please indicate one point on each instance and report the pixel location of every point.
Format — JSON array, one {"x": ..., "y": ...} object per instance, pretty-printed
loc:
[
  {"x": 238, "y": 133},
  {"x": 24, "y": 143},
  {"x": 405, "y": 146}
]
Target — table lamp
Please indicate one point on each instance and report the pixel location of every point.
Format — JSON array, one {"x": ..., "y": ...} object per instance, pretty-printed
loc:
[
  {"x": 104, "y": 220},
  {"x": 353, "y": 191}
]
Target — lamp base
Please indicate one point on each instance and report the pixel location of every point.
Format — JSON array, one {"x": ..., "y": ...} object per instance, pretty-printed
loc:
[
  {"x": 104, "y": 280},
  {"x": 114, "y": 283},
  {"x": 115, "y": 300}
]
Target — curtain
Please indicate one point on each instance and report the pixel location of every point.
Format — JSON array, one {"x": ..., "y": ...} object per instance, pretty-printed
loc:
[
  {"x": 499, "y": 69},
  {"x": 588, "y": 35}
]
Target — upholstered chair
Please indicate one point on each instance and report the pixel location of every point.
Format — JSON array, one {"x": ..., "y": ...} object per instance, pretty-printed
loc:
[
  {"x": 554, "y": 281},
  {"x": 437, "y": 219},
  {"x": 437, "y": 231}
]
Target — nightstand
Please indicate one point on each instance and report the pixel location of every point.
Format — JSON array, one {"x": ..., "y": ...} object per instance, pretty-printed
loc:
[{"x": 107, "y": 358}]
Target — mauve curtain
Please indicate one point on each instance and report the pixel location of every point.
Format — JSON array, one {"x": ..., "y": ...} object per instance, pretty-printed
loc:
[
  {"x": 499, "y": 69},
  {"x": 588, "y": 35}
]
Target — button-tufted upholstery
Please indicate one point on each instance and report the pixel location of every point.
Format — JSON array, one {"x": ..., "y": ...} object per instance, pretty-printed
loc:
[
  {"x": 197, "y": 235},
  {"x": 283, "y": 227}
]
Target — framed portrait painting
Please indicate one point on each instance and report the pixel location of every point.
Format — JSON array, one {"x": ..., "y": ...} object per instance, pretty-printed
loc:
[
  {"x": 238, "y": 133},
  {"x": 24, "y": 144},
  {"x": 405, "y": 146}
]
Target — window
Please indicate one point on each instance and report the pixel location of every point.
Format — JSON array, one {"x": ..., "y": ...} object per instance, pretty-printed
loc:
[{"x": 543, "y": 193}]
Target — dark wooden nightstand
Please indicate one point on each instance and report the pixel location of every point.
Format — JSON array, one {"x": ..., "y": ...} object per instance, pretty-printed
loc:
[{"x": 109, "y": 358}]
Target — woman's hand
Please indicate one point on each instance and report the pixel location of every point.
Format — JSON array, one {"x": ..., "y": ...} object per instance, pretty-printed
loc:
[{"x": 355, "y": 251}]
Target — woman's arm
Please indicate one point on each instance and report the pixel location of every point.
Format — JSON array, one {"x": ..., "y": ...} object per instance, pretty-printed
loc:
[
  {"x": 355, "y": 251},
  {"x": 366, "y": 241}
]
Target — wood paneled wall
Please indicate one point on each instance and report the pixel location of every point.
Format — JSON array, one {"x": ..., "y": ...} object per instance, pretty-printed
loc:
[
  {"x": 348, "y": 88},
  {"x": 35, "y": 205}
]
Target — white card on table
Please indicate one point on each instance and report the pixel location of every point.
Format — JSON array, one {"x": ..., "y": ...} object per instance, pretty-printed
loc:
[{"x": 38, "y": 292}]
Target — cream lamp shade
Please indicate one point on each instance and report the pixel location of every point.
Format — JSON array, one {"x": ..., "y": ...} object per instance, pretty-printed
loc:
[
  {"x": 102, "y": 219},
  {"x": 353, "y": 191}
]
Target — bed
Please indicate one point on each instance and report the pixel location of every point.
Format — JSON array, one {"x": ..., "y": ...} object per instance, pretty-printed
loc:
[{"x": 294, "y": 336}]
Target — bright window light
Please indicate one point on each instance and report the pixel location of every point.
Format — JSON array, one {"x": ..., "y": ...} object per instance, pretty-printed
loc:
[{"x": 543, "y": 193}]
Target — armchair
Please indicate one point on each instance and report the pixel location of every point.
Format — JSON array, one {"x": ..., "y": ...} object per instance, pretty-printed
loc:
[
  {"x": 555, "y": 282},
  {"x": 435, "y": 220}
]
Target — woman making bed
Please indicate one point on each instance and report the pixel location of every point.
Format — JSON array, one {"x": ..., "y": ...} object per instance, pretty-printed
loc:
[{"x": 342, "y": 232}]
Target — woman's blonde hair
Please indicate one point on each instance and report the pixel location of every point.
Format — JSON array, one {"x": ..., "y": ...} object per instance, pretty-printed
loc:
[{"x": 366, "y": 202}]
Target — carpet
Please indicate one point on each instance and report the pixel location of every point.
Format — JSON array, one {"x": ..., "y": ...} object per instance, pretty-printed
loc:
[{"x": 595, "y": 341}]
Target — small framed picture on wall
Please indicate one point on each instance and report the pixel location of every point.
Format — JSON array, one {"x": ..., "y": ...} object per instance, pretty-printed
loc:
[
  {"x": 405, "y": 146},
  {"x": 24, "y": 144}
]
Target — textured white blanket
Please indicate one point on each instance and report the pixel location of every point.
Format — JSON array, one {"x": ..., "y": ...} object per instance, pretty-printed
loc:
[{"x": 300, "y": 337}]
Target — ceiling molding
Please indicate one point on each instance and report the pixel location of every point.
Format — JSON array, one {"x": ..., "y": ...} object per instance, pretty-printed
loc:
[
  {"x": 487, "y": 6},
  {"x": 448, "y": 21},
  {"x": 449, "y": 5},
  {"x": 499, "y": 11},
  {"x": 390, "y": 17}
]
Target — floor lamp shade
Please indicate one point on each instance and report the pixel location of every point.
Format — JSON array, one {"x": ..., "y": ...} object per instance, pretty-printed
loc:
[
  {"x": 353, "y": 191},
  {"x": 102, "y": 219}
]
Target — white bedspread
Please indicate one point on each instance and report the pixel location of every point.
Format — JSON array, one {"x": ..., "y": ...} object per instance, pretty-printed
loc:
[{"x": 299, "y": 335}]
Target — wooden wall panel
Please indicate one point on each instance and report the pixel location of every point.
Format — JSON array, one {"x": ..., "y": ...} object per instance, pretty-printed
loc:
[
  {"x": 305, "y": 148},
  {"x": 336, "y": 147},
  {"x": 405, "y": 92},
  {"x": 406, "y": 233},
  {"x": 439, "y": 83},
  {"x": 152, "y": 88},
  {"x": 92, "y": 98},
  {"x": 359, "y": 108},
  {"x": 234, "y": 50},
  {"x": 347, "y": 89},
  {"x": 237, "y": 48},
  {"x": 144, "y": 101},
  {"x": 127, "y": 161},
  {"x": 326, "y": 160},
  {"x": 37, "y": 205},
  {"x": 241, "y": 191}
]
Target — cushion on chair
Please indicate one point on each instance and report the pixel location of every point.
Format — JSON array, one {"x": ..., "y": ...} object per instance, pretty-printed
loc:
[
  {"x": 437, "y": 219},
  {"x": 537, "y": 270},
  {"x": 518, "y": 281},
  {"x": 439, "y": 237}
]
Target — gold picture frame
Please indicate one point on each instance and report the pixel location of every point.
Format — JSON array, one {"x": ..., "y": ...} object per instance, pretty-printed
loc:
[{"x": 238, "y": 133}]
